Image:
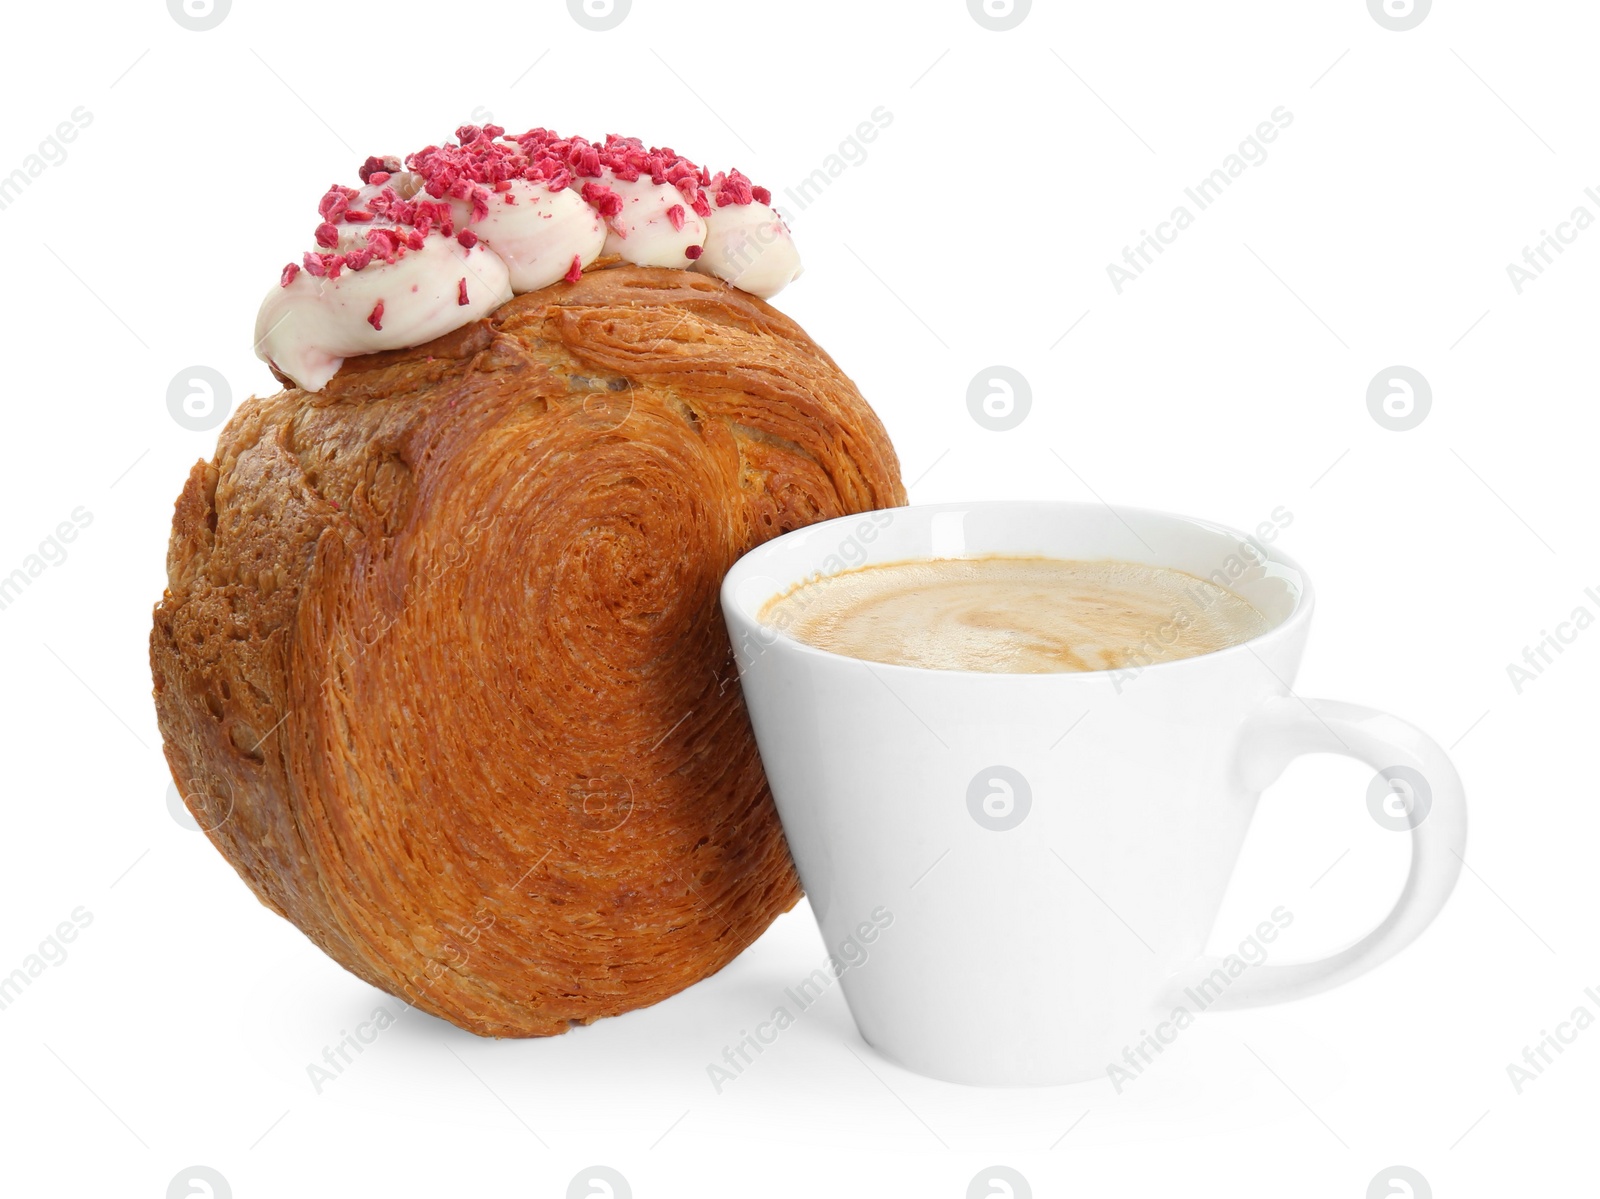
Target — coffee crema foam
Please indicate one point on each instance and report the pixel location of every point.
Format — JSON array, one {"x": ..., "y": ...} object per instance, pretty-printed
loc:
[{"x": 1015, "y": 615}]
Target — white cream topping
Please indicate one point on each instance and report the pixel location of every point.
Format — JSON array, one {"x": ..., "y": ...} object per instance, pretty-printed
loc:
[
  {"x": 309, "y": 328},
  {"x": 643, "y": 233},
  {"x": 750, "y": 247},
  {"x": 539, "y": 233}
]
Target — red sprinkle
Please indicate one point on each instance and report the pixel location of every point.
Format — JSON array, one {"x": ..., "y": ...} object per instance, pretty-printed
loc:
[
  {"x": 602, "y": 198},
  {"x": 734, "y": 189},
  {"x": 320, "y": 266},
  {"x": 461, "y": 292},
  {"x": 694, "y": 251},
  {"x": 384, "y": 243},
  {"x": 376, "y": 317},
  {"x": 583, "y": 158},
  {"x": 467, "y": 238},
  {"x": 575, "y": 271},
  {"x": 289, "y": 272},
  {"x": 375, "y": 166},
  {"x": 335, "y": 202}
]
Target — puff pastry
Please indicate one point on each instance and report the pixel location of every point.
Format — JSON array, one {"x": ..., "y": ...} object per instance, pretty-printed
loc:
[{"x": 440, "y": 666}]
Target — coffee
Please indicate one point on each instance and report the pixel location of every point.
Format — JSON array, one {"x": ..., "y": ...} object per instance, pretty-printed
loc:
[{"x": 1015, "y": 615}]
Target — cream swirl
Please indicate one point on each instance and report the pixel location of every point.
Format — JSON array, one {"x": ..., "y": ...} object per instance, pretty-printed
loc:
[
  {"x": 308, "y": 327},
  {"x": 750, "y": 247},
  {"x": 540, "y": 233},
  {"x": 653, "y": 225}
]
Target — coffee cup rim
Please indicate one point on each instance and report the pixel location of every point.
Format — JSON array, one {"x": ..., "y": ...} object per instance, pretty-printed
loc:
[{"x": 739, "y": 611}]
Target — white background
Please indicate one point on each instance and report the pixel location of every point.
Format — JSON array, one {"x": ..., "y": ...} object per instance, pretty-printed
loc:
[{"x": 1229, "y": 379}]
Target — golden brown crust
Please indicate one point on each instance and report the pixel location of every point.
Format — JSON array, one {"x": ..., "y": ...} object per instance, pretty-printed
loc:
[{"x": 440, "y": 665}]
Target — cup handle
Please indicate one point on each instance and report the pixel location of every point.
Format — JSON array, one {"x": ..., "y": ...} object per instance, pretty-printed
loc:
[{"x": 1436, "y": 815}]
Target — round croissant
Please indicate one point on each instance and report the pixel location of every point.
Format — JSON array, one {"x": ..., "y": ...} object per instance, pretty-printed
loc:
[{"x": 440, "y": 667}]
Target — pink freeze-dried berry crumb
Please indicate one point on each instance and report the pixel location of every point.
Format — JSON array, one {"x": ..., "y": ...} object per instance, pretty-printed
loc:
[
  {"x": 735, "y": 189},
  {"x": 602, "y": 198},
  {"x": 575, "y": 271},
  {"x": 373, "y": 166},
  {"x": 289, "y": 272},
  {"x": 375, "y": 317},
  {"x": 694, "y": 252},
  {"x": 461, "y": 292}
]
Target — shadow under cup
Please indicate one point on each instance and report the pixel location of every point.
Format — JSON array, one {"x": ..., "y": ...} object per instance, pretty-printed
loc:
[{"x": 1016, "y": 875}]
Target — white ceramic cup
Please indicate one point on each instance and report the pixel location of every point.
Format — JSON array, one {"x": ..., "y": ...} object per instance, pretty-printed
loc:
[{"x": 1017, "y": 874}]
